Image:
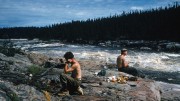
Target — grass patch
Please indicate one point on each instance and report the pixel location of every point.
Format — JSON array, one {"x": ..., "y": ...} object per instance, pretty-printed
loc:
[{"x": 34, "y": 70}]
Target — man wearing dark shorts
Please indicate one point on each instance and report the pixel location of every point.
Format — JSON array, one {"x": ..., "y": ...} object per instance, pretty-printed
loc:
[{"x": 123, "y": 65}]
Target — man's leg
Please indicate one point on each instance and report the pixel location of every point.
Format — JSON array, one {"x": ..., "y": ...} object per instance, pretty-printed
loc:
[
  {"x": 69, "y": 83},
  {"x": 132, "y": 71},
  {"x": 79, "y": 89},
  {"x": 63, "y": 80},
  {"x": 129, "y": 70}
]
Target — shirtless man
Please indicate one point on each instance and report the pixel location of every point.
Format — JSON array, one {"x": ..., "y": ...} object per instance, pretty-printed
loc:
[
  {"x": 71, "y": 83},
  {"x": 121, "y": 62},
  {"x": 123, "y": 65}
]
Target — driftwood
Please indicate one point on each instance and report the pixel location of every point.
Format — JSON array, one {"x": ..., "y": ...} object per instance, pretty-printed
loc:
[{"x": 49, "y": 64}]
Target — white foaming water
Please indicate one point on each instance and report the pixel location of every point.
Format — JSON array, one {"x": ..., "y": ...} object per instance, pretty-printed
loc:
[
  {"x": 173, "y": 55},
  {"x": 141, "y": 59},
  {"x": 158, "y": 61}
]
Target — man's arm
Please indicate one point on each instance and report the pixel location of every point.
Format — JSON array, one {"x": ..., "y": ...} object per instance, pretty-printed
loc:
[{"x": 67, "y": 69}]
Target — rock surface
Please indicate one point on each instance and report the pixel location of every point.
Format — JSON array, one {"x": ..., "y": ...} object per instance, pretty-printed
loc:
[
  {"x": 140, "y": 90},
  {"x": 18, "y": 62},
  {"x": 21, "y": 92},
  {"x": 169, "y": 92},
  {"x": 95, "y": 87},
  {"x": 37, "y": 59}
]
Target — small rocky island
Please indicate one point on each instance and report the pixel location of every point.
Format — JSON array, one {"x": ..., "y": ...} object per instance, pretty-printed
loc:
[{"x": 35, "y": 77}]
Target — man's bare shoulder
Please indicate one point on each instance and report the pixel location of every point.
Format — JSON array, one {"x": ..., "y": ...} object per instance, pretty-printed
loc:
[
  {"x": 76, "y": 65},
  {"x": 120, "y": 57}
]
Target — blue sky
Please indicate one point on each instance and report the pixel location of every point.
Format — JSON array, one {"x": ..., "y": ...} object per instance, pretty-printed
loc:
[{"x": 14, "y": 13}]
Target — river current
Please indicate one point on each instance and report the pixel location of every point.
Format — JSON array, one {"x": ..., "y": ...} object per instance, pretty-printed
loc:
[{"x": 138, "y": 58}]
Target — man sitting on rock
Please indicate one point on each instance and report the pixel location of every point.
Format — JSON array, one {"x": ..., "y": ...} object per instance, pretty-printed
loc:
[
  {"x": 71, "y": 83},
  {"x": 123, "y": 65}
]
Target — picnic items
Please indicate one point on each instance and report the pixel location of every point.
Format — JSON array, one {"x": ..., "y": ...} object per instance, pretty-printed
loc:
[{"x": 121, "y": 79}]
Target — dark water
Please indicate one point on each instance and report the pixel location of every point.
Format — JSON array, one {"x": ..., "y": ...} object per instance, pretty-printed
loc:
[{"x": 165, "y": 76}]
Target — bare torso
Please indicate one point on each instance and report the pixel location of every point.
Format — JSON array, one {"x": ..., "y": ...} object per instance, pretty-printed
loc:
[
  {"x": 76, "y": 73},
  {"x": 121, "y": 62}
]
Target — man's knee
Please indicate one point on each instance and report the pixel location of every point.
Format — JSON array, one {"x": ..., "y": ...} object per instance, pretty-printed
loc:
[
  {"x": 133, "y": 71},
  {"x": 62, "y": 75}
]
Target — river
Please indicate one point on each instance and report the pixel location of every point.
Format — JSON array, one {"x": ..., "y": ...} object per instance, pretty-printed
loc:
[{"x": 156, "y": 64}]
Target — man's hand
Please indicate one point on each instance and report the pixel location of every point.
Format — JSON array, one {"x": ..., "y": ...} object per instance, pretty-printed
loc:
[
  {"x": 67, "y": 62},
  {"x": 67, "y": 69}
]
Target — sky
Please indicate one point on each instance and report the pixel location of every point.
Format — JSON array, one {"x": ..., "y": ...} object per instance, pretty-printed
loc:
[{"x": 18, "y": 13}]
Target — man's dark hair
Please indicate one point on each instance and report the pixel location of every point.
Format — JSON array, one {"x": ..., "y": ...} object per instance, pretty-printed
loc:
[
  {"x": 123, "y": 50},
  {"x": 68, "y": 55}
]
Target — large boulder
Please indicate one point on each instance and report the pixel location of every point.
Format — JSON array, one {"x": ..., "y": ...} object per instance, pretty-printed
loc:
[
  {"x": 169, "y": 92},
  {"x": 18, "y": 62},
  {"x": 145, "y": 90},
  {"x": 38, "y": 59},
  {"x": 140, "y": 90},
  {"x": 10, "y": 92}
]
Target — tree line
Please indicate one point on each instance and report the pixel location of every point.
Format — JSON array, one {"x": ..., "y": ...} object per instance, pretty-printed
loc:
[{"x": 155, "y": 24}]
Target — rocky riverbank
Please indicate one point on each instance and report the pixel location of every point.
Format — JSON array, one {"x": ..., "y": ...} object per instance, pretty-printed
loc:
[{"x": 31, "y": 76}]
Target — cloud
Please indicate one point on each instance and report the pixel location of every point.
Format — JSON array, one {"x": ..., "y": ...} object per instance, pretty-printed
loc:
[
  {"x": 80, "y": 13},
  {"x": 45, "y": 12},
  {"x": 98, "y": 0},
  {"x": 67, "y": 6},
  {"x": 136, "y": 8}
]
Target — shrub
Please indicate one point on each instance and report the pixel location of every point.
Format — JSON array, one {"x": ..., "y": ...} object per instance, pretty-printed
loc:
[{"x": 34, "y": 70}]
